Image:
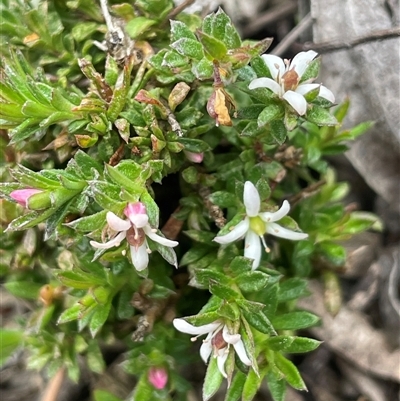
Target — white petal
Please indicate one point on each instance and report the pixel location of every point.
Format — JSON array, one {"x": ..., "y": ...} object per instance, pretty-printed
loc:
[
  {"x": 275, "y": 216},
  {"x": 251, "y": 199},
  {"x": 157, "y": 238},
  {"x": 326, "y": 94},
  {"x": 113, "y": 242},
  {"x": 230, "y": 338},
  {"x": 301, "y": 61},
  {"x": 241, "y": 352},
  {"x": 206, "y": 349},
  {"x": 221, "y": 359},
  {"x": 252, "y": 248},
  {"x": 116, "y": 223},
  {"x": 266, "y": 83},
  {"x": 185, "y": 327},
  {"x": 139, "y": 220},
  {"x": 305, "y": 88},
  {"x": 297, "y": 101},
  {"x": 275, "y": 64},
  {"x": 140, "y": 257},
  {"x": 281, "y": 232},
  {"x": 238, "y": 232}
]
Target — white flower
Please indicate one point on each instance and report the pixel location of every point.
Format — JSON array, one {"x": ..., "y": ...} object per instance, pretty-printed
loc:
[
  {"x": 286, "y": 77},
  {"x": 218, "y": 340},
  {"x": 256, "y": 224},
  {"x": 135, "y": 230}
]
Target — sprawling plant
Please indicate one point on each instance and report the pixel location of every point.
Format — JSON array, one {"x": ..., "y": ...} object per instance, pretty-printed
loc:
[{"x": 162, "y": 177}]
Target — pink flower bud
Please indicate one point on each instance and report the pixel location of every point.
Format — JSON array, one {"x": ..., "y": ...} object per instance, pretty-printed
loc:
[
  {"x": 194, "y": 157},
  {"x": 22, "y": 195},
  {"x": 158, "y": 377},
  {"x": 136, "y": 213}
]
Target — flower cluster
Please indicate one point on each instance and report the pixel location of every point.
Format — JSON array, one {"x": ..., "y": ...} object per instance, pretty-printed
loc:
[
  {"x": 286, "y": 78},
  {"x": 135, "y": 229}
]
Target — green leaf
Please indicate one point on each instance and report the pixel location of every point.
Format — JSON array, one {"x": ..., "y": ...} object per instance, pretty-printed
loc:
[
  {"x": 10, "y": 340},
  {"x": 277, "y": 386},
  {"x": 311, "y": 71},
  {"x": 102, "y": 395},
  {"x": 99, "y": 317},
  {"x": 290, "y": 372},
  {"x": 252, "y": 384},
  {"x": 189, "y": 47},
  {"x": 271, "y": 112},
  {"x": 320, "y": 116},
  {"x": 95, "y": 358},
  {"x": 294, "y": 320},
  {"x": 292, "y": 344},
  {"x": 278, "y": 131},
  {"x": 241, "y": 265},
  {"x": 223, "y": 291},
  {"x": 292, "y": 288},
  {"x": 23, "y": 289},
  {"x": 212, "y": 380},
  {"x": 229, "y": 311},
  {"x": 70, "y": 314},
  {"x": 180, "y": 30},
  {"x": 214, "y": 47},
  {"x": 89, "y": 223},
  {"x": 260, "y": 322},
  {"x": 223, "y": 199},
  {"x": 138, "y": 25},
  {"x": 334, "y": 253},
  {"x": 204, "y": 237},
  {"x": 252, "y": 281},
  {"x": 235, "y": 390}
]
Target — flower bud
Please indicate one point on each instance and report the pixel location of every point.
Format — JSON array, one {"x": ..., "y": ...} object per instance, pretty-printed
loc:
[
  {"x": 158, "y": 377},
  {"x": 194, "y": 157},
  {"x": 22, "y": 195}
]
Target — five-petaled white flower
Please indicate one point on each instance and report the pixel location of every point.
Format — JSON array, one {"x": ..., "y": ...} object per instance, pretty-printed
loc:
[
  {"x": 135, "y": 230},
  {"x": 286, "y": 77},
  {"x": 256, "y": 224},
  {"x": 218, "y": 341}
]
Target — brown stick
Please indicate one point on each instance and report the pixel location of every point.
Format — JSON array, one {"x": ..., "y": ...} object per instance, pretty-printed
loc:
[
  {"x": 291, "y": 37},
  {"x": 180, "y": 8},
  {"x": 325, "y": 47},
  {"x": 271, "y": 16},
  {"x": 54, "y": 385}
]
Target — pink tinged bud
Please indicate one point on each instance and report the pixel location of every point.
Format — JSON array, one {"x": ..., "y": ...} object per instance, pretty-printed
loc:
[
  {"x": 22, "y": 195},
  {"x": 158, "y": 377},
  {"x": 194, "y": 157},
  {"x": 136, "y": 213}
]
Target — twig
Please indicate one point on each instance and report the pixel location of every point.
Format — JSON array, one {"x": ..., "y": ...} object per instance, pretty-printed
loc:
[
  {"x": 53, "y": 388},
  {"x": 107, "y": 16},
  {"x": 306, "y": 192},
  {"x": 325, "y": 47},
  {"x": 180, "y": 8},
  {"x": 291, "y": 37},
  {"x": 273, "y": 15}
]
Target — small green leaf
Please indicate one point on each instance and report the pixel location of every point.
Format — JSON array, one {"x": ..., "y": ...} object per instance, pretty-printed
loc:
[
  {"x": 252, "y": 384},
  {"x": 23, "y": 289},
  {"x": 241, "y": 265},
  {"x": 292, "y": 288},
  {"x": 252, "y": 281},
  {"x": 277, "y": 386},
  {"x": 292, "y": 344},
  {"x": 223, "y": 291},
  {"x": 213, "y": 380},
  {"x": 235, "y": 390},
  {"x": 311, "y": 71},
  {"x": 189, "y": 47},
  {"x": 271, "y": 112},
  {"x": 223, "y": 199},
  {"x": 320, "y": 116},
  {"x": 290, "y": 372},
  {"x": 278, "y": 131},
  {"x": 138, "y": 25},
  {"x": 260, "y": 322},
  {"x": 99, "y": 317},
  {"x": 70, "y": 314},
  {"x": 295, "y": 320},
  {"x": 180, "y": 30},
  {"x": 102, "y": 395},
  {"x": 10, "y": 340},
  {"x": 214, "y": 47}
]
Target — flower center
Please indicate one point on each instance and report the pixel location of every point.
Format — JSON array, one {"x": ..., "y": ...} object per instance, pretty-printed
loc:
[
  {"x": 218, "y": 341},
  {"x": 258, "y": 226},
  {"x": 290, "y": 80},
  {"x": 135, "y": 236}
]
